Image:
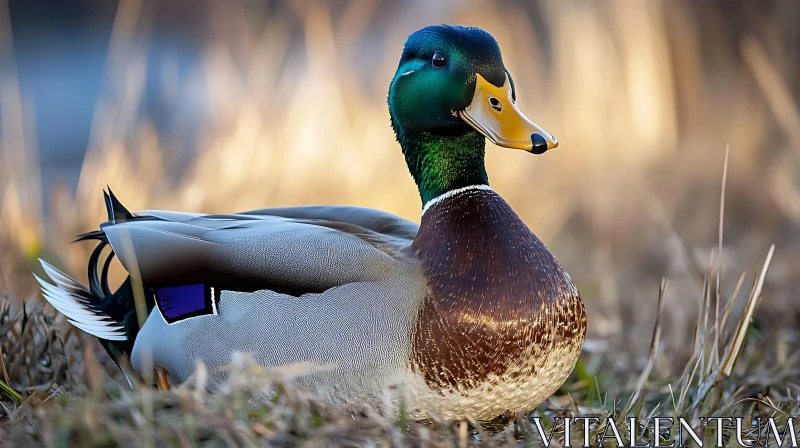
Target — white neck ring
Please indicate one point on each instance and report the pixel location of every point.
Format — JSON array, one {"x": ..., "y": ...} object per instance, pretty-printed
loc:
[{"x": 451, "y": 193}]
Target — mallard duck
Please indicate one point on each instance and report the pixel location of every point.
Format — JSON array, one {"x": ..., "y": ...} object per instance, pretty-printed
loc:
[{"x": 466, "y": 314}]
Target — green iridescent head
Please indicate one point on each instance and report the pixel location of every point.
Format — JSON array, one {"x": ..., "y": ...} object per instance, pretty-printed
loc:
[{"x": 450, "y": 92}]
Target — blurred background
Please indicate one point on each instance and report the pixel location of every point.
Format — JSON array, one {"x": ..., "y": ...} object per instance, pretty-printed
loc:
[{"x": 224, "y": 106}]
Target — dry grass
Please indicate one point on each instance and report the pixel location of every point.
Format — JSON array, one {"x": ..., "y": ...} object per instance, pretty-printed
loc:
[{"x": 289, "y": 109}]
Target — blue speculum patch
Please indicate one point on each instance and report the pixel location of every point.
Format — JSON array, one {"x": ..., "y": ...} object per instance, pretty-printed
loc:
[{"x": 178, "y": 303}]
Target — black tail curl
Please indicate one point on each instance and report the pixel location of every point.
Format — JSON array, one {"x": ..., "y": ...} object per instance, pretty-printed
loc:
[{"x": 98, "y": 280}]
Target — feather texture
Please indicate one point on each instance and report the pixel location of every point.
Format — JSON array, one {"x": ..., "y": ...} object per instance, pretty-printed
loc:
[{"x": 76, "y": 302}]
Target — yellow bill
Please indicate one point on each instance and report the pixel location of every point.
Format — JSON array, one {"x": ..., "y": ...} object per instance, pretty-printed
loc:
[{"x": 494, "y": 114}]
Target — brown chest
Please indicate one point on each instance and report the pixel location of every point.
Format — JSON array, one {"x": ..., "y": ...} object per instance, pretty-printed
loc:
[{"x": 497, "y": 296}]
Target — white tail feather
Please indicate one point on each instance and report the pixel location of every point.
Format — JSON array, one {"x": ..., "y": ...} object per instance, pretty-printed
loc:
[
  {"x": 61, "y": 279},
  {"x": 74, "y": 301},
  {"x": 62, "y": 300}
]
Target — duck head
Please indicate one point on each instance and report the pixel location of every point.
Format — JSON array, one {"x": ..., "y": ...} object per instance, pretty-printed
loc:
[{"x": 451, "y": 90}]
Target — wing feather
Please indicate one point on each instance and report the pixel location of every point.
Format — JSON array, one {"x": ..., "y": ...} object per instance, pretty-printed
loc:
[{"x": 293, "y": 250}]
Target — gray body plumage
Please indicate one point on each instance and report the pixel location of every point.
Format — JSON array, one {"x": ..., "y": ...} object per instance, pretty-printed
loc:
[
  {"x": 356, "y": 331},
  {"x": 355, "y": 356}
]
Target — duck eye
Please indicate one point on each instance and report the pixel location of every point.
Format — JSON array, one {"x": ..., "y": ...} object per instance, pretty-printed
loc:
[{"x": 438, "y": 60}]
